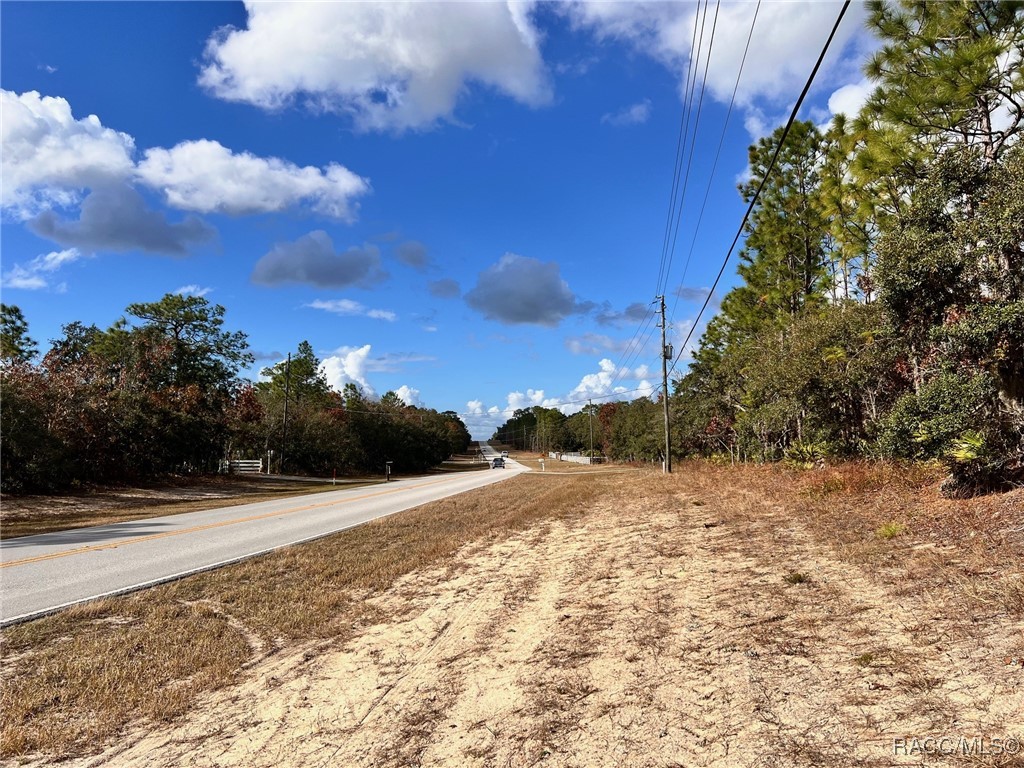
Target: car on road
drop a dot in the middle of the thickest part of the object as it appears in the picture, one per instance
(504, 454)
(497, 463)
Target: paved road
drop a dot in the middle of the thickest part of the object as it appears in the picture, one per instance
(40, 574)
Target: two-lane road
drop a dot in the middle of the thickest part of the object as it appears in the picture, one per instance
(40, 574)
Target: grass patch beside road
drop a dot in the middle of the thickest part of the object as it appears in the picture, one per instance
(71, 681)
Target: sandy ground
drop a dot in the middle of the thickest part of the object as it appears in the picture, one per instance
(650, 633)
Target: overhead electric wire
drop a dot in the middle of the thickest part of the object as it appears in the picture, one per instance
(764, 178)
(680, 142)
(634, 348)
(718, 153)
(746, 216)
(693, 144)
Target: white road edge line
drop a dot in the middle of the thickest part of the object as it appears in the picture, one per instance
(212, 567)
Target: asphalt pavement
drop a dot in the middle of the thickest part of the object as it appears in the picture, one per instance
(45, 573)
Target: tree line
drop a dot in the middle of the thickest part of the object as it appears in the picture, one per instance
(880, 309)
(161, 392)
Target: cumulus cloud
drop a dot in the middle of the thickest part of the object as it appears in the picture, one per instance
(351, 365)
(787, 39)
(522, 290)
(115, 218)
(347, 366)
(35, 275)
(389, 65)
(413, 254)
(207, 177)
(528, 399)
(194, 290)
(444, 289)
(349, 307)
(632, 115)
(409, 396)
(49, 157)
(850, 98)
(611, 383)
(312, 260)
(607, 384)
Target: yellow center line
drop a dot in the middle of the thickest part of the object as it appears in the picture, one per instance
(208, 526)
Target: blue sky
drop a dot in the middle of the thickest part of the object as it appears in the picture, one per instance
(462, 202)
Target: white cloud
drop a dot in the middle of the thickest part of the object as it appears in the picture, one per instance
(482, 421)
(607, 384)
(348, 366)
(528, 399)
(33, 276)
(349, 307)
(612, 383)
(787, 39)
(207, 177)
(193, 290)
(633, 115)
(850, 98)
(391, 65)
(23, 278)
(351, 365)
(49, 157)
(409, 396)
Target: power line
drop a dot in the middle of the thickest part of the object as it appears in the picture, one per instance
(684, 121)
(764, 178)
(718, 153)
(677, 197)
(634, 347)
(693, 144)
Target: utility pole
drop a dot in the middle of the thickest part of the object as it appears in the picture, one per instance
(287, 386)
(590, 409)
(666, 353)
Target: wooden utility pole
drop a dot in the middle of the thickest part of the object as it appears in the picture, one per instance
(591, 410)
(666, 353)
(287, 387)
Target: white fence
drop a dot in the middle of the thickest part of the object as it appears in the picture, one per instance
(242, 466)
(576, 457)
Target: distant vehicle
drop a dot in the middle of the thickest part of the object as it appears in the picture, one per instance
(504, 454)
(497, 463)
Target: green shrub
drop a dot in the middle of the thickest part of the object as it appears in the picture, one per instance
(977, 462)
(923, 425)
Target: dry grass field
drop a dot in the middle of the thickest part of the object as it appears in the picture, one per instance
(747, 616)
